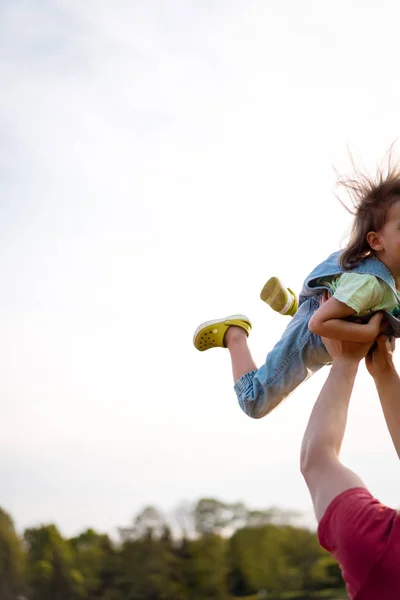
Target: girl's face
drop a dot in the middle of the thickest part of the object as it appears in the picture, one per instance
(386, 242)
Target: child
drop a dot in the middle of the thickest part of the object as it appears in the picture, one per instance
(362, 280)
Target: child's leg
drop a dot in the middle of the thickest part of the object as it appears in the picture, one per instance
(230, 333)
(242, 361)
(296, 356)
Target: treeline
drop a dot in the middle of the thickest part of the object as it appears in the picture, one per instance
(209, 551)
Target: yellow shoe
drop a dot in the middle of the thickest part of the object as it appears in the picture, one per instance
(211, 334)
(280, 298)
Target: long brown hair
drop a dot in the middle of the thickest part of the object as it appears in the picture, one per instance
(371, 199)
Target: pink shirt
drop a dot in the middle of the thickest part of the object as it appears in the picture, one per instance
(364, 537)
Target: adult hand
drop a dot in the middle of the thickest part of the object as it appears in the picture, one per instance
(380, 360)
(374, 325)
(350, 351)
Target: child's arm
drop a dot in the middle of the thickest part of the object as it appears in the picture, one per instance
(328, 322)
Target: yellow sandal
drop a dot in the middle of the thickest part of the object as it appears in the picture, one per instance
(211, 334)
(279, 297)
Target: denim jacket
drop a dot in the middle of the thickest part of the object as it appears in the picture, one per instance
(369, 266)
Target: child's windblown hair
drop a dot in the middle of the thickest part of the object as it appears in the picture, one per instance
(371, 199)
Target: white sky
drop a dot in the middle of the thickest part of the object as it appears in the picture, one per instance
(158, 162)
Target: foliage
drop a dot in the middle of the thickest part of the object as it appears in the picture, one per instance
(218, 551)
(12, 559)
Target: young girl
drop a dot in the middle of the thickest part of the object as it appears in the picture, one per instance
(362, 280)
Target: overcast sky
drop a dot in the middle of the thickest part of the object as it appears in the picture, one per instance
(159, 161)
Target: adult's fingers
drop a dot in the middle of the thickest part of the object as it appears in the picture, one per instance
(325, 296)
(385, 344)
(376, 318)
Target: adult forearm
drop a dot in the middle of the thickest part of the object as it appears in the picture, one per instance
(388, 387)
(328, 419)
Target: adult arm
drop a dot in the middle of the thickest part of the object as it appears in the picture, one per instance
(325, 475)
(380, 365)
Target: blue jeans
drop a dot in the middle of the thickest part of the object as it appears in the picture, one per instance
(298, 355)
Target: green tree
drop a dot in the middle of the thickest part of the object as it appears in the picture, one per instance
(12, 559)
(97, 561)
(303, 551)
(207, 568)
(151, 569)
(258, 562)
(235, 552)
(51, 571)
